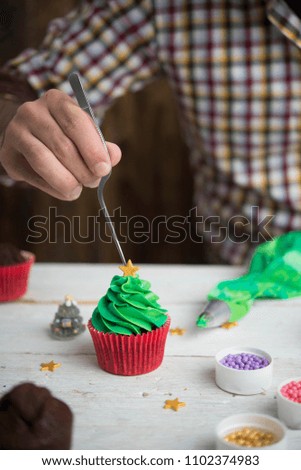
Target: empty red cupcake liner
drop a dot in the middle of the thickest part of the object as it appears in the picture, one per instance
(130, 355)
(14, 278)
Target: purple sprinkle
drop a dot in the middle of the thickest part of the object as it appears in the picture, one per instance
(244, 361)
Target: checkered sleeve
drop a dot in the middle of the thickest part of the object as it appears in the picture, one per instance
(111, 43)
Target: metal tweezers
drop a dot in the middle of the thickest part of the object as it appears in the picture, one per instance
(75, 82)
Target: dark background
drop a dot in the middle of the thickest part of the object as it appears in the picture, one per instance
(153, 178)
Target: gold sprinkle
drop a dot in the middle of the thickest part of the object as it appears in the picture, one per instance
(177, 331)
(250, 437)
(129, 269)
(228, 325)
(49, 366)
(174, 404)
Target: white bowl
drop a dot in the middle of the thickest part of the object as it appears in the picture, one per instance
(288, 411)
(243, 382)
(260, 421)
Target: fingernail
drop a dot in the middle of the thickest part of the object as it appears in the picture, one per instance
(102, 168)
(76, 192)
(93, 184)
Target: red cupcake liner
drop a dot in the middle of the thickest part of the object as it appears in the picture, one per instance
(14, 278)
(130, 355)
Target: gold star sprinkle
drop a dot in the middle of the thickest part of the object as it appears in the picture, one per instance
(128, 269)
(177, 331)
(174, 404)
(229, 325)
(50, 366)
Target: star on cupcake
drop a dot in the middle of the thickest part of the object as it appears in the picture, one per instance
(129, 269)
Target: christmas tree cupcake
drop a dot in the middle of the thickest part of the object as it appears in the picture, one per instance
(128, 326)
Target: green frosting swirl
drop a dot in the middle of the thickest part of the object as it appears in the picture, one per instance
(129, 307)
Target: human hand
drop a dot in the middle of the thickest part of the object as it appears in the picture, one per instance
(53, 145)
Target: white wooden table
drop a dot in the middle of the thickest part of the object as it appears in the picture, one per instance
(113, 412)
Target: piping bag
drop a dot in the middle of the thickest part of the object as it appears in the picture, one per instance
(274, 273)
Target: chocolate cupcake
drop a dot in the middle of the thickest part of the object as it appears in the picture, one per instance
(9, 255)
(32, 419)
(14, 271)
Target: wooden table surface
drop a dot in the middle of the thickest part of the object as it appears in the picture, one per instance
(112, 412)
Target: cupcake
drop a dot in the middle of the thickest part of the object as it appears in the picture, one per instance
(14, 271)
(128, 326)
(32, 419)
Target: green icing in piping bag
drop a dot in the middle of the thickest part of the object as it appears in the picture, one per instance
(274, 273)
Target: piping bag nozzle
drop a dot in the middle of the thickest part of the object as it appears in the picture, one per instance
(215, 314)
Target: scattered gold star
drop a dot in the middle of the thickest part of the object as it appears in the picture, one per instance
(174, 404)
(177, 331)
(128, 269)
(50, 366)
(229, 325)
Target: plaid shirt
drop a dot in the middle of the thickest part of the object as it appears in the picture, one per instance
(235, 69)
